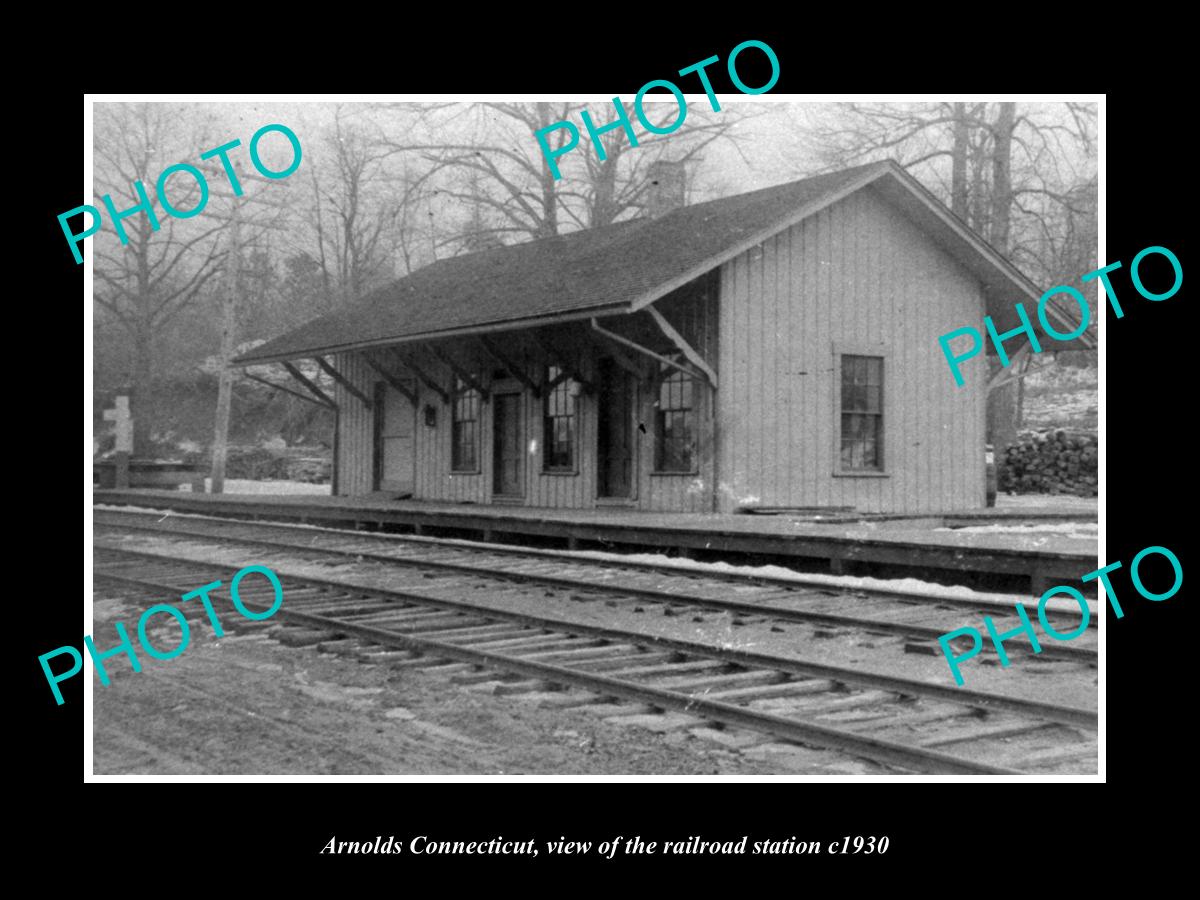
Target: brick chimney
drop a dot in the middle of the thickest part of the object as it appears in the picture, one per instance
(666, 186)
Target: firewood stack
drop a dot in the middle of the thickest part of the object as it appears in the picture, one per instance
(1050, 462)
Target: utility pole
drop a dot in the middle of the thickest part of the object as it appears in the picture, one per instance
(228, 326)
(233, 268)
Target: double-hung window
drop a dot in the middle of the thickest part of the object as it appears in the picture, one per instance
(558, 423)
(862, 414)
(675, 431)
(464, 428)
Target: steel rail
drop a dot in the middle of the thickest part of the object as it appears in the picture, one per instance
(799, 581)
(810, 733)
(1063, 651)
(1065, 715)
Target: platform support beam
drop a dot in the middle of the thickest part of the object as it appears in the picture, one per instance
(516, 371)
(645, 351)
(343, 381)
(310, 385)
(392, 380)
(685, 348)
(287, 390)
(568, 367)
(424, 377)
(460, 371)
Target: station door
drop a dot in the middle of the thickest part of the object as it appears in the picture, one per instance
(395, 428)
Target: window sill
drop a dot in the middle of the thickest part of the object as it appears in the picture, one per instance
(466, 472)
(864, 474)
(570, 473)
(692, 473)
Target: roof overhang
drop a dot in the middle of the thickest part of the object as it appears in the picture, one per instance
(1005, 283)
(464, 331)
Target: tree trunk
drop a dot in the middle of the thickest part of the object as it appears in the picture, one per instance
(1002, 418)
(1019, 417)
(603, 210)
(141, 401)
(549, 223)
(1002, 175)
(958, 172)
(978, 194)
(1004, 403)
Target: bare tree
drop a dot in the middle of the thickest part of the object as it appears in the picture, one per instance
(363, 216)
(350, 214)
(145, 283)
(1017, 176)
(500, 176)
(997, 154)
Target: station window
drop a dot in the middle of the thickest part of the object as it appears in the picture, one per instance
(676, 425)
(558, 423)
(862, 413)
(464, 429)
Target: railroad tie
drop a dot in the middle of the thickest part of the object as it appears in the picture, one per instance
(779, 689)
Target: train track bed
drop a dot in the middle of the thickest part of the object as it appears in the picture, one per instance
(987, 561)
(392, 613)
(252, 705)
(569, 568)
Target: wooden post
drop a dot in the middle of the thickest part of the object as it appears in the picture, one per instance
(225, 382)
(120, 414)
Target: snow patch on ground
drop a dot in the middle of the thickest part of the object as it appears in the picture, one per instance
(1084, 531)
(244, 486)
(915, 586)
(844, 582)
(1051, 502)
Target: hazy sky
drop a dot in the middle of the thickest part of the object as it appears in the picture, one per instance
(770, 151)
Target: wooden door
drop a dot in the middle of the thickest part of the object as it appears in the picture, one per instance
(508, 459)
(395, 428)
(615, 432)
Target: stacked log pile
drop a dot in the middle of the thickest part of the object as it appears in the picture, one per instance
(1050, 462)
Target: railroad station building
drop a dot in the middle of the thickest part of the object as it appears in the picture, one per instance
(773, 349)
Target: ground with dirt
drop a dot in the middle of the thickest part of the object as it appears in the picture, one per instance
(287, 704)
(249, 705)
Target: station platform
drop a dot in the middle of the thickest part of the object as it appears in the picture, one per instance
(923, 548)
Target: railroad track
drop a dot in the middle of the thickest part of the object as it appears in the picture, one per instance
(802, 701)
(918, 618)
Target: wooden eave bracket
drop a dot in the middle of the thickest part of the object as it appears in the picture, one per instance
(517, 372)
(1020, 362)
(565, 364)
(665, 360)
(424, 377)
(1025, 372)
(613, 349)
(321, 396)
(688, 351)
(343, 381)
(287, 390)
(392, 380)
(460, 371)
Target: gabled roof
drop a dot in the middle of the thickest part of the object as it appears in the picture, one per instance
(623, 267)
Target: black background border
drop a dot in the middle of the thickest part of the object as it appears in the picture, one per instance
(979, 827)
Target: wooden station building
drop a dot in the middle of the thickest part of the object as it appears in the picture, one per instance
(773, 349)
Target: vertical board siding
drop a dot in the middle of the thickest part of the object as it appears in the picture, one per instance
(694, 312)
(356, 427)
(561, 490)
(857, 273)
(435, 480)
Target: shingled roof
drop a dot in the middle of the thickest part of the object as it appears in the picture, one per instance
(618, 268)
